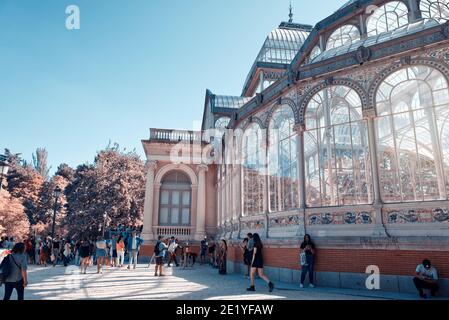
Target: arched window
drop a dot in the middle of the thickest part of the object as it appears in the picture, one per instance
(253, 170)
(282, 161)
(316, 51)
(388, 17)
(343, 36)
(412, 135)
(175, 200)
(336, 149)
(222, 122)
(435, 9)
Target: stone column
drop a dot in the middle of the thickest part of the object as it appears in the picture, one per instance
(147, 232)
(157, 191)
(380, 229)
(201, 204)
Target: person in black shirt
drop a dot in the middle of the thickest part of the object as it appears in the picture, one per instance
(307, 260)
(84, 250)
(257, 264)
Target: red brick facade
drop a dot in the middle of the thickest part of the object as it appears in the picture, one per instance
(390, 262)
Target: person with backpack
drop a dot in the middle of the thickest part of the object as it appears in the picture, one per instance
(159, 252)
(14, 272)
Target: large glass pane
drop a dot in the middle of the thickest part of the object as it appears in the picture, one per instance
(186, 198)
(163, 216)
(174, 217)
(435, 9)
(165, 195)
(336, 150)
(282, 160)
(185, 216)
(343, 36)
(409, 143)
(390, 16)
(175, 198)
(253, 170)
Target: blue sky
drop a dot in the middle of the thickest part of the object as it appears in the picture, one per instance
(134, 64)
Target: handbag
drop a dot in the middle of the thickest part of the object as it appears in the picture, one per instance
(303, 259)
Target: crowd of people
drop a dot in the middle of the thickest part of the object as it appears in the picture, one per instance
(86, 252)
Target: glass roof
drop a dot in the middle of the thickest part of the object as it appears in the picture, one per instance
(370, 41)
(282, 45)
(231, 102)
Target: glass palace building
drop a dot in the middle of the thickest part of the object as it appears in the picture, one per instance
(341, 131)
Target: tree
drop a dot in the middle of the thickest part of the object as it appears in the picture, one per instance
(40, 163)
(13, 220)
(114, 185)
(25, 184)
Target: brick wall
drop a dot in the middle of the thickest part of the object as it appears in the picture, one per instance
(391, 262)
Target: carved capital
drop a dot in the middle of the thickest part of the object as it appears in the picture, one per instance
(202, 168)
(299, 127)
(369, 113)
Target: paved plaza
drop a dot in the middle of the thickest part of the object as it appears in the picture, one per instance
(199, 283)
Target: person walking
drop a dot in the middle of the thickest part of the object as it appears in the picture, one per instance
(247, 256)
(100, 253)
(222, 254)
(37, 248)
(211, 249)
(134, 243)
(203, 250)
(43, 253)
(257, 264)
(67, 253)
(84, 255)
(159, 251)
(172, 253)
(114, 251)
(17, 277)
(307, 260)
(56, 243)
(120, 247)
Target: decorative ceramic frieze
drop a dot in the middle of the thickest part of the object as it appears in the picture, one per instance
(339, 218)
(253, 224)
(424, 215)
(285, 221)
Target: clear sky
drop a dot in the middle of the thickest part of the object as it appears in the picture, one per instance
(134, 64)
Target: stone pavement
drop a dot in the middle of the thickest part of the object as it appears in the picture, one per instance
(199, 283)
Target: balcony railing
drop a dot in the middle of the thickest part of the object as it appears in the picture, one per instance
(174, 231)
(174, 136)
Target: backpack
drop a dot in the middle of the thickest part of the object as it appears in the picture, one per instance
(157, 248)
(5, 269)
